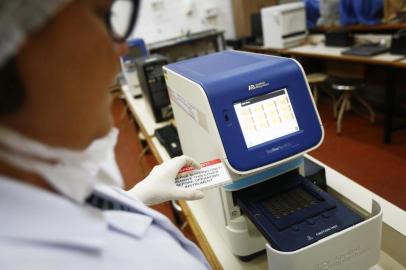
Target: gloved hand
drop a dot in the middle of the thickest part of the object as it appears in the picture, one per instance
(159, 186)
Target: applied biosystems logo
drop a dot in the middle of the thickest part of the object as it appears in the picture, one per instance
(252, 87)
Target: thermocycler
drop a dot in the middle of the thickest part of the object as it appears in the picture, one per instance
(256, 113)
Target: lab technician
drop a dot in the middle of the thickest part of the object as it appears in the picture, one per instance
(61, 202)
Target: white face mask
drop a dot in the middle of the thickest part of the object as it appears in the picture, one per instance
(72, 173)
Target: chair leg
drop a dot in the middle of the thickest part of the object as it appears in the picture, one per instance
(345, 100)
(348, 107)
(367, 106)
(333, 98)
(337, 105)
(331, 94)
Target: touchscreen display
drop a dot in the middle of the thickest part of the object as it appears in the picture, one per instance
(266, 117)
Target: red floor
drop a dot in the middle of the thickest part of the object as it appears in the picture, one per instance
(360, 154)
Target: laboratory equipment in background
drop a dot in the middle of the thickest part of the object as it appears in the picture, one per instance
(153, 86)
(189, 45)
(136, 49)
(256, 113)
(284, 26)
(339, 38)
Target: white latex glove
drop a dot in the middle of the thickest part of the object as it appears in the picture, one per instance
(159, 186)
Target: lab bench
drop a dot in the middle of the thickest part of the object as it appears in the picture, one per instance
(393, 255)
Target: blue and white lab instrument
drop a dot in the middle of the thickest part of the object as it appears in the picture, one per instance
(257, 114)
(136, 49)
(251, 99)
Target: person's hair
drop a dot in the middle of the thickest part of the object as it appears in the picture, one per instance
(11, 88)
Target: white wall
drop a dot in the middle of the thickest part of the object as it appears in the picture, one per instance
(163, 19)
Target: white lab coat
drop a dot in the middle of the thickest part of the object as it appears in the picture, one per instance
(42, 230)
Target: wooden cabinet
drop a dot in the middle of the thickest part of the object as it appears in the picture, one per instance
(392, 7)
(242, 10)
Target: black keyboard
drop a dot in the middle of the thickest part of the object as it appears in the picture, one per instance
(366, 50)
(169, 138)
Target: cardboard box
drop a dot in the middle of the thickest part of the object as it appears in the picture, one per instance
(242, 10)
(392, 7)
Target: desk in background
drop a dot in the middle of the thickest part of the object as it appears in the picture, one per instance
(214, 247)
(362, 28)
(391, 62)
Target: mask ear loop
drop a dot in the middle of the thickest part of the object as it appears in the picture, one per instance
(74, 180)
(73, 183)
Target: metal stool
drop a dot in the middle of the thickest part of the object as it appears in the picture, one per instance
(348, 89)
(314, 80)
